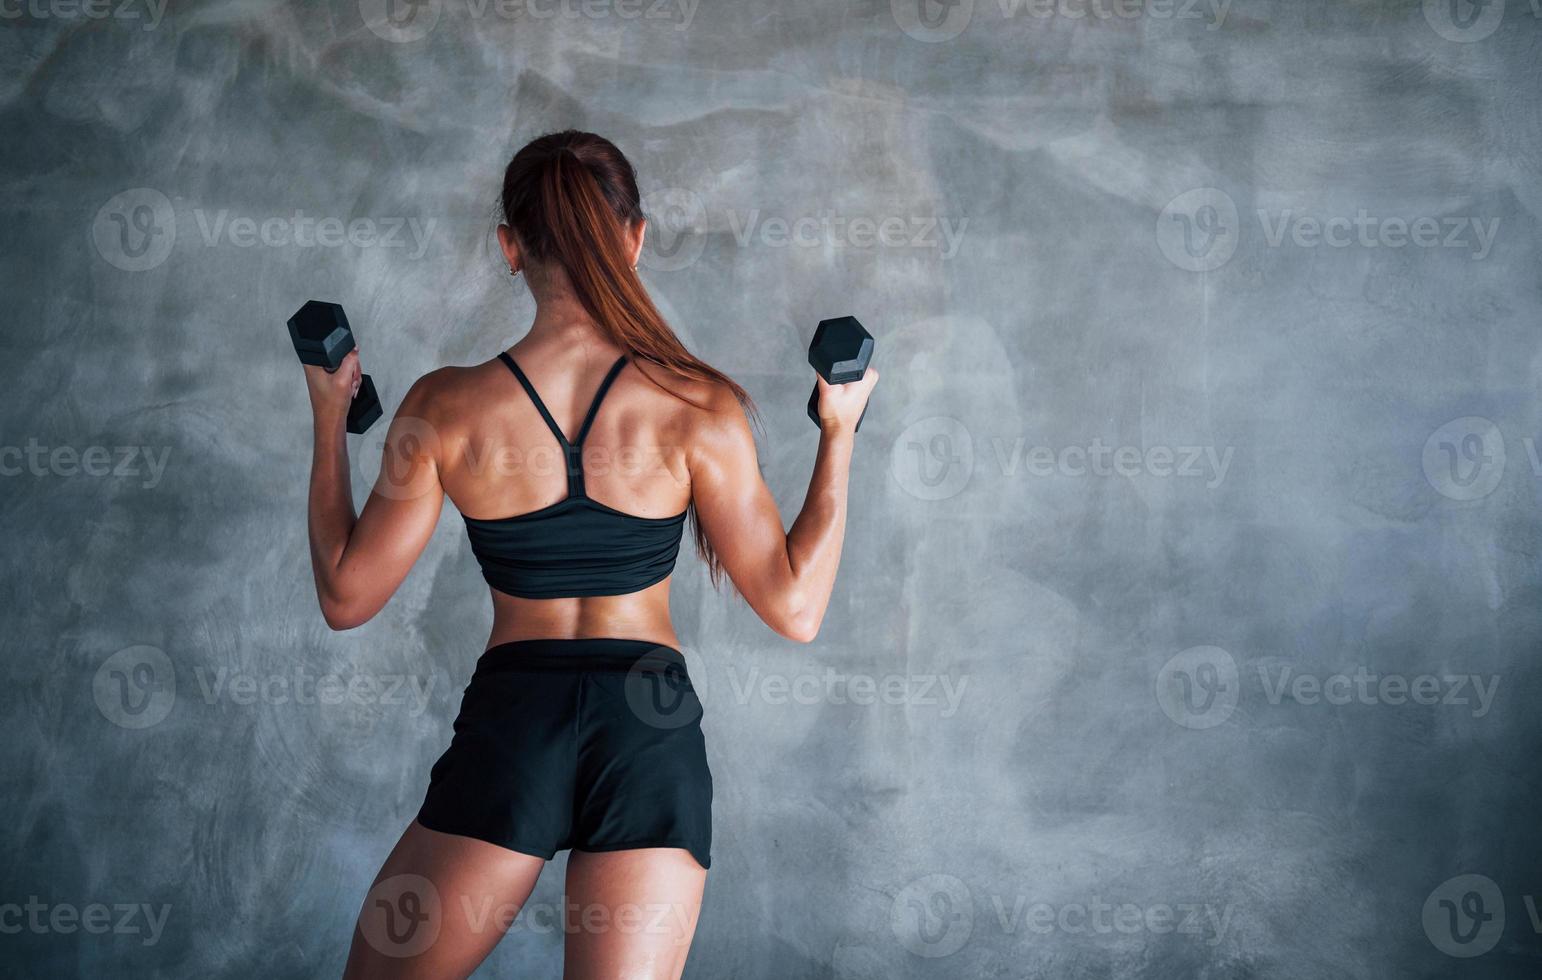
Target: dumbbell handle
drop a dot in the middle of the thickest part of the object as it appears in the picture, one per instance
(365, 406)
(813, 405)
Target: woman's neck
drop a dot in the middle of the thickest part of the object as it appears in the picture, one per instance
(562, 322)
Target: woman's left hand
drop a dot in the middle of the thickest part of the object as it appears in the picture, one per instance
(332, 393)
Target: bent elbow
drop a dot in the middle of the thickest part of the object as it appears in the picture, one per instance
(341, 616)
(801, 632)
(339, 621)
(800, 625)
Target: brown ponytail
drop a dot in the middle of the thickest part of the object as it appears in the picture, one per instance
(570, 197)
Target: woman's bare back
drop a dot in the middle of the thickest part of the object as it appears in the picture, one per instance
(498, 459)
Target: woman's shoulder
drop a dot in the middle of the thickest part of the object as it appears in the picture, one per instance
(697, 401)
(701, 416)
(448, 392)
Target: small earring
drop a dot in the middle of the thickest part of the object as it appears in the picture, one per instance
(514, 272)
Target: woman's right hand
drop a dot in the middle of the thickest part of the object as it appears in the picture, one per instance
(332, 393)
(841, 406)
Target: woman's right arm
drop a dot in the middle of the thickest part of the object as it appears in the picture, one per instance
(785, 576)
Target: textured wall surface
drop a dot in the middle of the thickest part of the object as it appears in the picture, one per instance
(1190, 613)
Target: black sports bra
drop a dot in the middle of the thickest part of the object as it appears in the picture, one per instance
(576, 546)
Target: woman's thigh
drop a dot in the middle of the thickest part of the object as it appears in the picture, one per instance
(439, 906)
(631, 913)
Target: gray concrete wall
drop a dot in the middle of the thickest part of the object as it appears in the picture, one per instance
(1189, 616)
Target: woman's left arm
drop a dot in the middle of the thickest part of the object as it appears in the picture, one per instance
(360, 561)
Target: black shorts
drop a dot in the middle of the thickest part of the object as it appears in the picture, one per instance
(594, 745)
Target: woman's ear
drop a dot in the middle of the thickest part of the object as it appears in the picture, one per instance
(509, 243)
(635, 240)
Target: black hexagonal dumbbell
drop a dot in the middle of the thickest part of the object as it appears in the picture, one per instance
(321, 337)
(839, 352)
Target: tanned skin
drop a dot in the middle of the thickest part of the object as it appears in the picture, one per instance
(472, 434)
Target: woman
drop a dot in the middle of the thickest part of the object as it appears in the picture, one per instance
(553, 750)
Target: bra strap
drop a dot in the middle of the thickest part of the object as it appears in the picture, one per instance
(599, 396)
(535, 399)
(572, 452)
